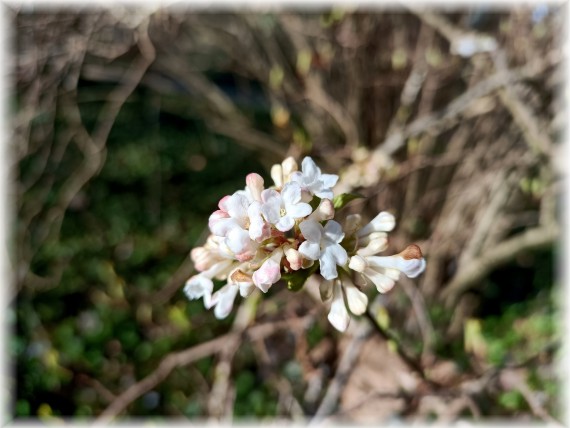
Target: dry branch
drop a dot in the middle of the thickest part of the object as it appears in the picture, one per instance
(188, 356)
(479, 268)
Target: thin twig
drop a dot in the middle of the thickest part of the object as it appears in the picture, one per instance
(345, 367)
(479, 268)
(220, 392)
(188, 356)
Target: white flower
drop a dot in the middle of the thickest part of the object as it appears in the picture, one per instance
(281, 173)
(232, 214)
(323, 244)
(223, 300)
(201, 285)
(269, 272)
(384, 271)
(373, 244)
(281, 209)
(338, 315)
(383, 222)
(313, 181)
(211, 253)
(355, 299)
(232, 222)
(325, 211)
(240, 244)
(259, 229)
(243, 280)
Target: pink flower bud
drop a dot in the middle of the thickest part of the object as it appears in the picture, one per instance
(325, 211)
(215, 217)
(222, 205)
(254, 183)
(294, 258)
(202, 258)
(269, 272)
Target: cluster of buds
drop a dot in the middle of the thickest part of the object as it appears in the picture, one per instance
(286, 232)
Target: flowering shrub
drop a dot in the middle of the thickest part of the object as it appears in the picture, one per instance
(286, 232)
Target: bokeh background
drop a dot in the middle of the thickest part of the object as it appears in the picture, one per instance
(129, 124)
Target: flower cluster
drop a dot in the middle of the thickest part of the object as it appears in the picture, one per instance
(286, 232)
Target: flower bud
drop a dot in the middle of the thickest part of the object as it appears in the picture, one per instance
(378, 242)
(222, 204)
(357, 263)
(356, 300)
(254, 182)
(325, 211)
(277, 175)
(269, 272)
(338, 315)
(294, 258)
(352, 224)
(414, 263)
(203, 259)
(288, 166)
(383, 222)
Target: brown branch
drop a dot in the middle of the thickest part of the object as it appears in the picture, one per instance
(345, 367)
(188, 356)
(479, 268)
(220, 392)
(439, 120)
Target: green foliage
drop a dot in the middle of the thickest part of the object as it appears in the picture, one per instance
(340, 201)
(512, 400)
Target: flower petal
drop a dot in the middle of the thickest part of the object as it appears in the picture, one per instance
(383, 222)
(224, 298)
(198, 286)
(291, 193)
(285, 223)
(357, 301)
(382, 282)
(411, 267)
(337, 253)
(329, 180)
(267, 275)
(338, 315)
(271, 207)
(238, 240)
(310, 250)
(322, 193)
(328, 265)
(311, 230)
(246, 289)
(333, 231)
(298, 210)
(237, 206)
(310, 169)
(259, 230)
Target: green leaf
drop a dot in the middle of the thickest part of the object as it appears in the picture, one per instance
(341, 200)
(296, 280)
(315, 202)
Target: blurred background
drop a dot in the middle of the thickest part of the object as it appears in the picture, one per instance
(129, 124)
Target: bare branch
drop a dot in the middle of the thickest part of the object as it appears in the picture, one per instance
(479, 268)
(188, 356)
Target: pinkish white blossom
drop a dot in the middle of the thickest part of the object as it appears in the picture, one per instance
(322, 244)
(258, 235)
(313, 181)
(283, 208)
